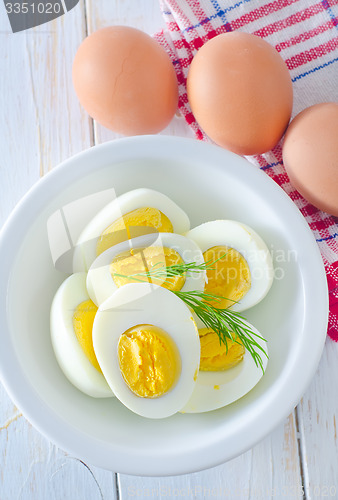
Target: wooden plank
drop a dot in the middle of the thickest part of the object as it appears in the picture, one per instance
(269, 470)
(143, 14)
(44, 124)
(33, 468)
(318, 417)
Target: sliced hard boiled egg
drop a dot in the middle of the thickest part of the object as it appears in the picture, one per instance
(71, 320)
(137, 212)
(216, 355)
(149, 253)
(147, 345)
(217, 388)
(241, 269)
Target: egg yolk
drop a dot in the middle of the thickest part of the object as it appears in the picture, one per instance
(83, 319)
(216, 356)
(229, 277)
(144, 260)
(136, 223)
(149, 361)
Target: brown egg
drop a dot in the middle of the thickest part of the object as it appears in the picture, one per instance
(126, 81)
(240, 92)
(310, 155)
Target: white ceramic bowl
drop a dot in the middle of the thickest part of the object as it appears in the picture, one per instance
(208, 183)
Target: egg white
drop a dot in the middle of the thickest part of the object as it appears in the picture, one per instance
(249, 244)
(214, 390)
(144, 303)
(100, 284)
(85, 251)
(69, 354)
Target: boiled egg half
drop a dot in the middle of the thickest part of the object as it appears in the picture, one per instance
(132, 214)
(240, 270)
(147, 345)
(129, 262)
(71, 322)
(226, 373)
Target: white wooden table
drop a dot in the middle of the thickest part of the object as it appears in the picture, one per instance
(42, 124)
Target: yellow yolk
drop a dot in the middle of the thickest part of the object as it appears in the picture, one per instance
(83, 319)
(229, 277)
(149, 361)
(143, 260)
(216, 356)
(136, 223)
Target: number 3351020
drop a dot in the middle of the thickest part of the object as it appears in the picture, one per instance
(33, 8)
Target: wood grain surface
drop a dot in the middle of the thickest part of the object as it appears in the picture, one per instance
(42, 124)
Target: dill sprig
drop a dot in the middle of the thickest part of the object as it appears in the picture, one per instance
(227, 324)
(160, 270)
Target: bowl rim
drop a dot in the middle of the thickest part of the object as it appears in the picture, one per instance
(46, 421)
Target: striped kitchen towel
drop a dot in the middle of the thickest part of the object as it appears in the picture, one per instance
(305, 33)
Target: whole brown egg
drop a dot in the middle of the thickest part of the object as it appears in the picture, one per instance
(125, 80)
(310, 155)
(240, 92)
